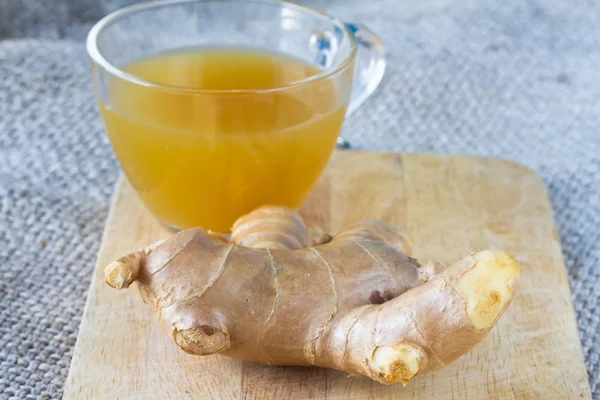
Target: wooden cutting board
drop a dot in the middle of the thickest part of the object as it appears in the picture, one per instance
(450, 205)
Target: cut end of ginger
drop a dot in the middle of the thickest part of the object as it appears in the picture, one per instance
(488, 286)
(399, 363)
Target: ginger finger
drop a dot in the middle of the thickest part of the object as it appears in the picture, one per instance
(124, 271)
(272, 227)
(196, 328)
(378, 231)
(433, 324)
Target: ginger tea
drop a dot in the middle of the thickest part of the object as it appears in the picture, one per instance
(251, 136)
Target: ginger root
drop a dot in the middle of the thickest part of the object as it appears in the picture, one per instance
(278, 293)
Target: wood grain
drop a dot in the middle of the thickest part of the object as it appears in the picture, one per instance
(451, 206)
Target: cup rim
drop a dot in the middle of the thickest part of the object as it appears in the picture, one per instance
(97, 57)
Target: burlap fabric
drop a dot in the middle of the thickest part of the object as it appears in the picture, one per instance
(512, 79)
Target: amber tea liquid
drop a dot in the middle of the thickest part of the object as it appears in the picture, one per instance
(205, 158)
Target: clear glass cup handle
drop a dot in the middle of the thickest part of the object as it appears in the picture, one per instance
(370, 65)
(368, 71)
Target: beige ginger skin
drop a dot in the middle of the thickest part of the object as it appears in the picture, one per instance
(279, 293)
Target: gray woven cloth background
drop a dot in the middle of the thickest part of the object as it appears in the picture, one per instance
(512, 79)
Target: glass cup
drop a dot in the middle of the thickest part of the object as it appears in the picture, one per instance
(201, 156)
